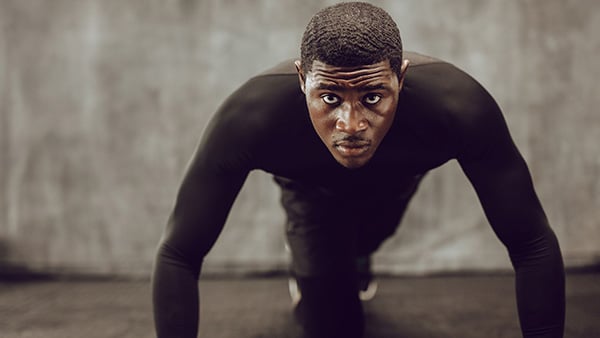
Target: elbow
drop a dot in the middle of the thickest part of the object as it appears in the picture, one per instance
(538, 250)
(170, 255)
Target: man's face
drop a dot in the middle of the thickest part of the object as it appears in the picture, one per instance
(352, 108)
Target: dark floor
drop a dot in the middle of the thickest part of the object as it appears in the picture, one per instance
(482, 306)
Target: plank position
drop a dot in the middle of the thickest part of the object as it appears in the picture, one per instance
(348, 132)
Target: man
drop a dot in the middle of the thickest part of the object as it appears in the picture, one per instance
(348, 133)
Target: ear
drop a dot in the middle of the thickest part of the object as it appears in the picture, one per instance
(403, 69)
(301, 77)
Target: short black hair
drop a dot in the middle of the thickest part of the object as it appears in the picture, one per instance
(351, 34)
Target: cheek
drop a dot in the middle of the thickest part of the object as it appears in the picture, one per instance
(383, 123)
(320, 115)
(389, 106)
(319, 119)
(386, 113)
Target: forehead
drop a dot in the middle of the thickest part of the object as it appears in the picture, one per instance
(380, 72)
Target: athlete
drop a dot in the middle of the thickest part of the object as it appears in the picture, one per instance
(348, 132)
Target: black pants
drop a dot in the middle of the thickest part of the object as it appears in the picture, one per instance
(326, 231)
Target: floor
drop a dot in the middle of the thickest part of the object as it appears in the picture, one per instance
(451, 306)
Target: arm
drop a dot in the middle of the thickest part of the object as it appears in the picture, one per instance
(212, 181)
(197, 219)
(506, 193)
(237, 140)
(504, 186)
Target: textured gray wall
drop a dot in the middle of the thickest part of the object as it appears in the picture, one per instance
(102, 103)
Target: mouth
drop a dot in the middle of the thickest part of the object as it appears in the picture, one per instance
(352, 148)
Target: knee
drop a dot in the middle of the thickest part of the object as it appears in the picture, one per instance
(330, 308)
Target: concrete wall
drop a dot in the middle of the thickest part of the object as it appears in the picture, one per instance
(102, 103)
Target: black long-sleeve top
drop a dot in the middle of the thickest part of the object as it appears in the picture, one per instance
(443, 114)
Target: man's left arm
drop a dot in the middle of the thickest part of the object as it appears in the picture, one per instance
(505, 189)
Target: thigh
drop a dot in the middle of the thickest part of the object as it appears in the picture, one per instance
(326, 231)
(321, 238)
(322, 242)
(322, 247)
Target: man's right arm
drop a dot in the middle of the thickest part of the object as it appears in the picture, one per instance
(193, 228)
(239, 135)
(212, 181)
(203, 202)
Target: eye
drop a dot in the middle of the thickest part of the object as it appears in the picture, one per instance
(372, 98)
(330, 99)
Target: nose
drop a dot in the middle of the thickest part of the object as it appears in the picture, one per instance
(351, 120)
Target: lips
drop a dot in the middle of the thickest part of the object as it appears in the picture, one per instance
(352, 148)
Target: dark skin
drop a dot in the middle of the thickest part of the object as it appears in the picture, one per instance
(352, 108)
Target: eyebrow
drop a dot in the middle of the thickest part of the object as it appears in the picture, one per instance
(378, 86)
(365, 88)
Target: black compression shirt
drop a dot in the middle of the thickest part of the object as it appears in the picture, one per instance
(442, 114)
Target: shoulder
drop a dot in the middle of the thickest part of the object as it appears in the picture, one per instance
(262, 99)
(453, 101)
(442, 82)
(253, 115)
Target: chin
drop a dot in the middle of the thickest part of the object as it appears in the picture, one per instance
(353, 163)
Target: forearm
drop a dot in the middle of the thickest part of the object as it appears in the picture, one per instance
(540, 287)
(175, 298)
